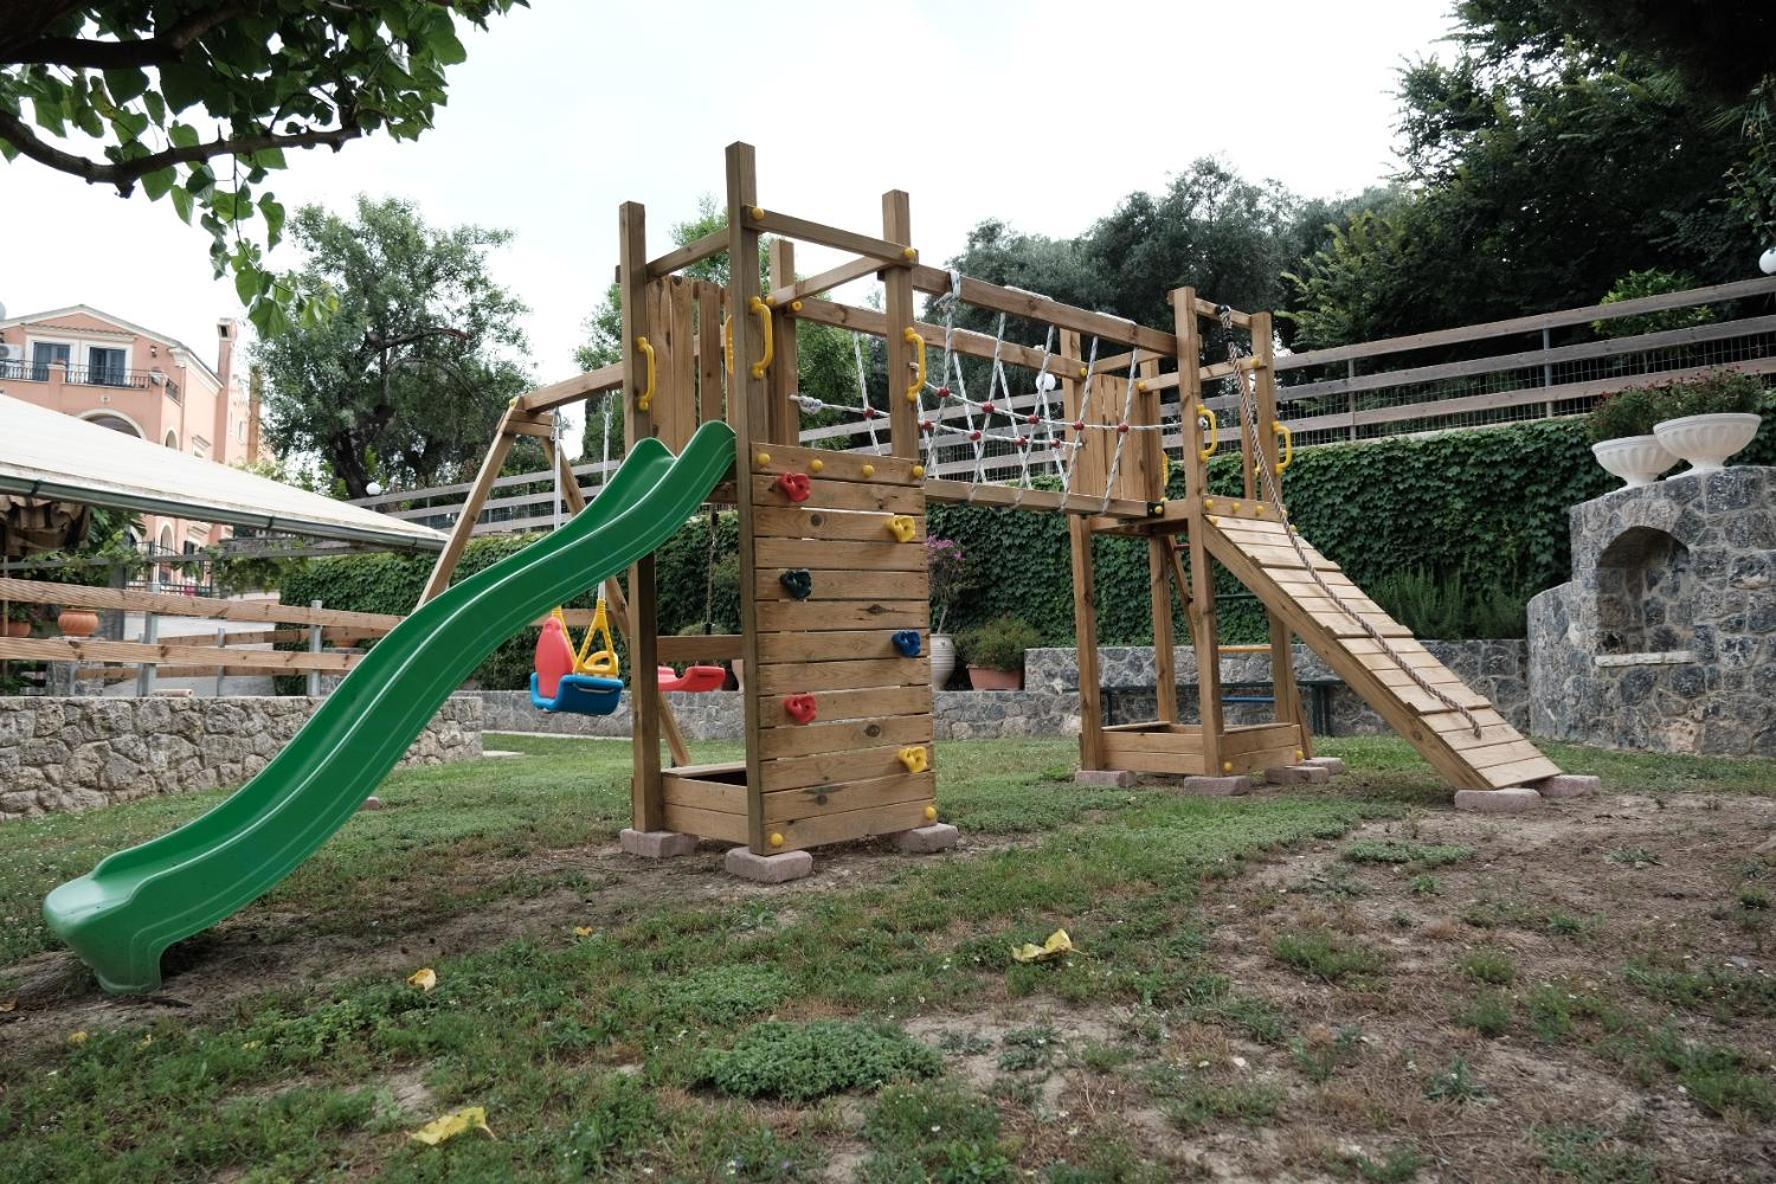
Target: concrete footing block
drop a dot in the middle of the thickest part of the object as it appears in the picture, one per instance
(1298, 775)
(768, 869)
(371, 803)
(923, 840)
(1105, 778)
(656, 844)
(1569, 785)
(1497, 801)
(1218, 787)
(1331, 764)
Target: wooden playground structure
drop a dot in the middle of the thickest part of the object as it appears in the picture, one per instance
(834, 606)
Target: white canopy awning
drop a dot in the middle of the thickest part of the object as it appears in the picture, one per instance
(47, 454)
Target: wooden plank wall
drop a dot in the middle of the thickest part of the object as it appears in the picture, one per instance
(840, 777)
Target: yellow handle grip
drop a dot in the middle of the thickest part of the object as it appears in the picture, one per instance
(763, 312)
(728, 342)
(918, 383)
(646, 398)
(1214, 432)
(1282, 429)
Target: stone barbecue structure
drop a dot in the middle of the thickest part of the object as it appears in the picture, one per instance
(1665, 638)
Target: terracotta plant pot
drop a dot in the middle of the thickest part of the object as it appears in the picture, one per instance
(18, 628)
(1637, 460)
(985, 678)
(78, 622)
(1706, 441)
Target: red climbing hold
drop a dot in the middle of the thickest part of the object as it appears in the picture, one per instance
(1122, 428)
(988, 408)
(975, 435)
(925, 425)
(795, 486)
(1032, 420)
(1079, 425)
(943, 392)
(800, 708)
(870, 413)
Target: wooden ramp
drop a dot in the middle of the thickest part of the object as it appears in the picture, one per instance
(1258, 551)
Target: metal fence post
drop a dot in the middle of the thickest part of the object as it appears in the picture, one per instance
(314, 647)
(150, 634)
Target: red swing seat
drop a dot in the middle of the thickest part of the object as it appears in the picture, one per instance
(695, 678)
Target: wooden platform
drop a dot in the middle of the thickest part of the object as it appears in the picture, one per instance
(1178, 748)
(1260, 554)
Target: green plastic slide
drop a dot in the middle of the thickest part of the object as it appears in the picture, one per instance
(123, 914)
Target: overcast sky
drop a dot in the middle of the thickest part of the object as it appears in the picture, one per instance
(1041, 113)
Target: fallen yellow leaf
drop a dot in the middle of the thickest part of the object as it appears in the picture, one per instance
(77, 1038)
(146, 1040)
(457, 1122)
(582, 931)
(1058, 943)
(424, 979)
(8, 1005)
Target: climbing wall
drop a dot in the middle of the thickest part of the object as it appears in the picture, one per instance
(1246, 539)
(856, 545)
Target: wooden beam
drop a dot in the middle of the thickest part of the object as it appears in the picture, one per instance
(1203, 624)
(92, 649)
(169, 604)
(891, 254)
(1085, 611)
(748, 415)
(832, 277)
(573, 390)
(445, 565)
(1282, 653)
(903, 412)
(713, 243)
(1040, 308)
(784, 377)
(1007, 497)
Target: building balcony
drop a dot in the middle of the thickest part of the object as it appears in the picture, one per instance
(109, 376)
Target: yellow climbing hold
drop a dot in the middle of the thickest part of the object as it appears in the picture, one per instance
(457, 1122)
(914, 758)
(903, 528)
(1058, 945)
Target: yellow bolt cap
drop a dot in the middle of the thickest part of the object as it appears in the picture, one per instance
(796, 305)
(908, 253)
(1227, 766)
(869, 470)
(758, 213)
(763, 458)
(816, 465)
(1208, 504)
(918, 470)
(1083, 372)
(1299, 754)
(776, 839)
(930, 813)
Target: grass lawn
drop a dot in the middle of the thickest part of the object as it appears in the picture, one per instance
(1345, 982)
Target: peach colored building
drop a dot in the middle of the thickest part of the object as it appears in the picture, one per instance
(114, 373)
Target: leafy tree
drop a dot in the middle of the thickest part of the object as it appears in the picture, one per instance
(1541, 167)
(197, 101)
(405, 384)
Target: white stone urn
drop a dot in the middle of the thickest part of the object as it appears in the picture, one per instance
(1637, 460)
(943, 659)
(1706, 441)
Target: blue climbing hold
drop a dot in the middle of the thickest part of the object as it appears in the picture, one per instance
(798, 582)
(907, 642)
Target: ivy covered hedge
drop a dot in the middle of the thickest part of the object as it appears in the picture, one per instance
(1484, 507)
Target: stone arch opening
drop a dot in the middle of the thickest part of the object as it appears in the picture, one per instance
(1645, 588)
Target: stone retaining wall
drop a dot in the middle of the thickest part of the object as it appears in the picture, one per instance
(75, 753)
(1050, 704)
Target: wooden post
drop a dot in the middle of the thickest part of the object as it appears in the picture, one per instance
(897, 283)
(647, 799)
(1203, 625)
(749, 415)
(1282, 656)
(1085, 593)
(784, 377)
(445, 565)
(1151, 457)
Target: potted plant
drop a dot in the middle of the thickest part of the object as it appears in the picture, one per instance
(18, 620)
(1708, 419)
(78, 622)
(949, 572)
(1621, 431)
(995, 653)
